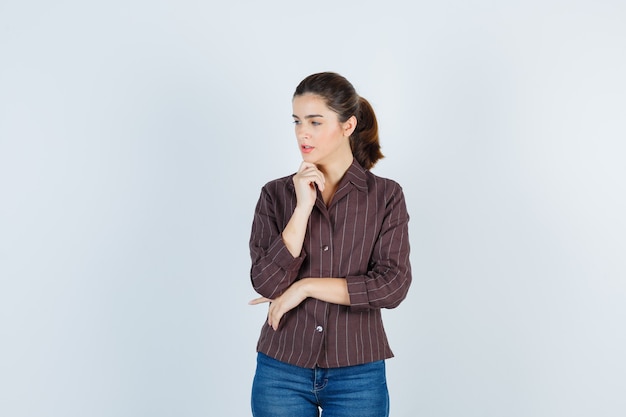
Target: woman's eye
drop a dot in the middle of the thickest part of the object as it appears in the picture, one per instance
(296, 122)
(314, 123)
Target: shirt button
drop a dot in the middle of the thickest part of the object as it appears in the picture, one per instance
(319, 329)
(325, 248)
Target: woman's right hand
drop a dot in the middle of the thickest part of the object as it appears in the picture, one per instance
(304, 182)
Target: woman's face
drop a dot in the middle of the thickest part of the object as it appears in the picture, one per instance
(322, 139)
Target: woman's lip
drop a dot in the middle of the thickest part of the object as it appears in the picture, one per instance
(306, 148)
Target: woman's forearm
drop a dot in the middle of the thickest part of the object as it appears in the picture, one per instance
(331, 290)
(294, 232)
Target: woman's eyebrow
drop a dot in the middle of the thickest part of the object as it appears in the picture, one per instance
(310, 116)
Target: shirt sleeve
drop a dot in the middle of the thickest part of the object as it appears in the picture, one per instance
(388, 279)
(273, 268)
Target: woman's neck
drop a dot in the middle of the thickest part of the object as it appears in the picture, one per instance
(333, 173)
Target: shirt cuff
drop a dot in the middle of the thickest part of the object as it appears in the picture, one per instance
(283, 258)
(357, 290)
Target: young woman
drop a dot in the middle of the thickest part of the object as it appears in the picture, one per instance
(330, 249)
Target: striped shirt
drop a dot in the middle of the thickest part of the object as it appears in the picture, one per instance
(361, 236)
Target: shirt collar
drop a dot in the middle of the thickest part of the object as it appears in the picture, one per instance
(356, 175)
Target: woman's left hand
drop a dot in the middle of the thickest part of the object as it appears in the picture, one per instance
(287, 301)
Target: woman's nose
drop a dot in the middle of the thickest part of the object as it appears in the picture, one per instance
(301, 132)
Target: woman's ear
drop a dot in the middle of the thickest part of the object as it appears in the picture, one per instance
(349, 126)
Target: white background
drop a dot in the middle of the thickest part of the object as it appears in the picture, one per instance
(135, 137)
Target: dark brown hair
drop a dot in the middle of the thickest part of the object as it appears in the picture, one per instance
(341, 97)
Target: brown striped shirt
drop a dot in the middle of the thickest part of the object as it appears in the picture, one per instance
(361, 236)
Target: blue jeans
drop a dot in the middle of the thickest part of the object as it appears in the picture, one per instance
(283, 390)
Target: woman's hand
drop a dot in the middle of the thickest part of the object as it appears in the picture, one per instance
(289, 300)
(304, 181)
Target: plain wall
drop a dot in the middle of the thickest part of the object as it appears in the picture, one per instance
(135, 137)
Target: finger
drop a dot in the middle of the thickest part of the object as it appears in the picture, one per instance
(321, 183)
(273, 316)
(259, 300)
(274, 323)
(314, 176)
(314, 170)
(306, 165)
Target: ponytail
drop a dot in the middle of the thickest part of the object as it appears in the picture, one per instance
(364, 139)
